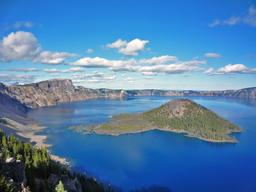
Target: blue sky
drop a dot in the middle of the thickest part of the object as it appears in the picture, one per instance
(130, 44)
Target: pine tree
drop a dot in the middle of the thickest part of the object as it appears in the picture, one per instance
(4, 185)
(60, 187)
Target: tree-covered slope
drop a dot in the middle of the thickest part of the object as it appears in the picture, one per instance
(24, 167)
(181, 115)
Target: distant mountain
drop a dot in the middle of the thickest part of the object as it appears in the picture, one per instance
(180, 115)
(55, 91)
(247, 93)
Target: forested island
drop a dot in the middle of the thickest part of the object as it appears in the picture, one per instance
(180, 115)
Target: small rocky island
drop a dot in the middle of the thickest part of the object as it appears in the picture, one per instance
(180, 115)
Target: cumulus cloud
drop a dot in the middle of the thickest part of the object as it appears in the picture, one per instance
(235, 68)
(20, 45)
(129, 48)
(231, 69)
(48, 57)
(119, 43)
(248, 19)
(149, 66)
(176, 68)
(102, 62)
(159, 60)
(212, 55)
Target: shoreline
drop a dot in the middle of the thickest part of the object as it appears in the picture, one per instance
(185, 133)
(29, 131)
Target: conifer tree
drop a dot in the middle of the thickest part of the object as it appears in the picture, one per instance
(60, 187)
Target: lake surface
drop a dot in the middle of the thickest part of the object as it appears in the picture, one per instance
(155, 158)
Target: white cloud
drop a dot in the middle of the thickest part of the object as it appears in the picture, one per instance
(89, 51)
(19, 46)
(231, 69)
(234, 68)
(209, 71)
(149, 66)
(248, 19)
(176, 68)
(48, 57)
(22, 45)
(102, 62)
(75, 69)
(129, 48)
(159, 60)
(212, 55)
(231, 21)
(119, 43)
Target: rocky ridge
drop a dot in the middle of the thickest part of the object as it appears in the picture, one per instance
(55, 91)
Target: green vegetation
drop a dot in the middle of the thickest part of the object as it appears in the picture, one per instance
(5, 186)
(32, 169)
(60, 187)
(181, 115)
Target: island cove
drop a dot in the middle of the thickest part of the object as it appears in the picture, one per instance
(179, 115)
(16, 101)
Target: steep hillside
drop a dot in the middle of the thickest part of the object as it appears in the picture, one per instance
(181, 115)
(26, 168)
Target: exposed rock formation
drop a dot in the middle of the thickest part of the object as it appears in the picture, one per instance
(52, 92)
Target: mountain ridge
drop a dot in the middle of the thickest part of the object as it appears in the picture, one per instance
(56, 91)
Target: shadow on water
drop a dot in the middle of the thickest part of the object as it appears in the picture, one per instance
(153, 188)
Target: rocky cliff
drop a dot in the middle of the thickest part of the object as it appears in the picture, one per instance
(52, 92)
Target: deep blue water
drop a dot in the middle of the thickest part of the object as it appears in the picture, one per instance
(155, 158)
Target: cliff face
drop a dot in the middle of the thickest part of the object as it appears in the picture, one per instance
(52, 92)
(9, 106)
